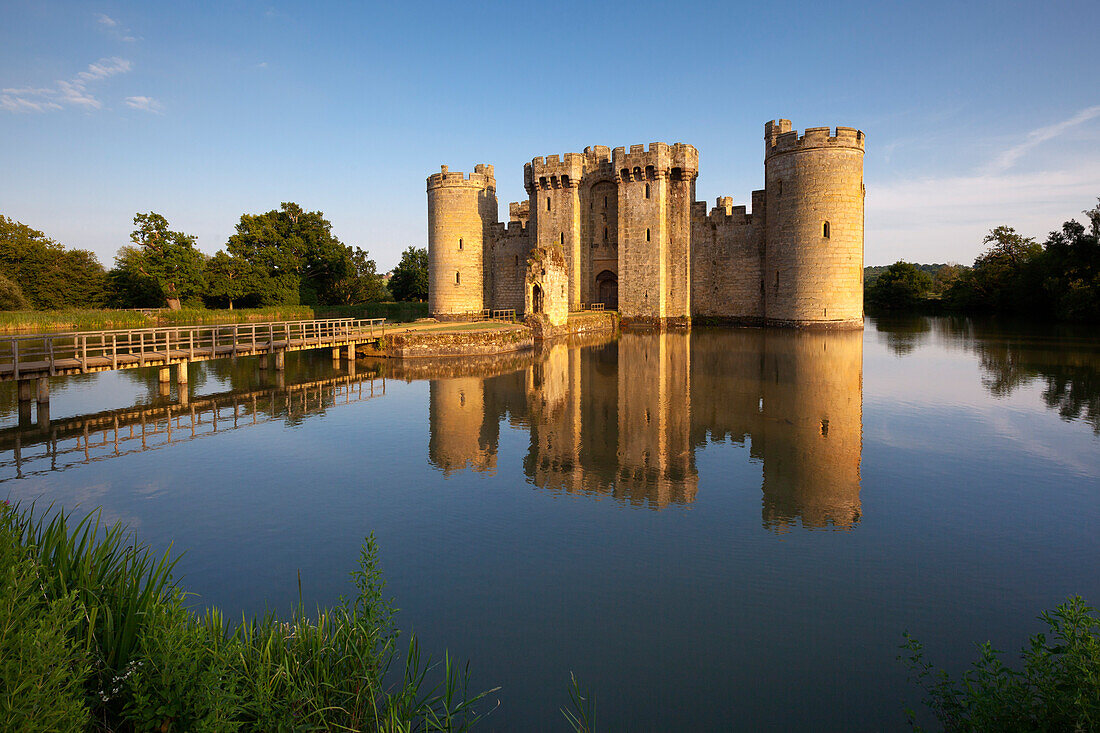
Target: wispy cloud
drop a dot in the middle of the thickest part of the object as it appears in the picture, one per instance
(113, 27)
(1008, 158)
(145, 104)
(73, 92)
(943, 218)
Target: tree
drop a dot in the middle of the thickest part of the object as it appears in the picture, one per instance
(903, 285)
(127, 284)
(1003, 277)
(11, 296)
(410, 277)
(228, 278)
(295, 255)
(1071, 269)
(50, 276)
(169, 259)
(360, 282)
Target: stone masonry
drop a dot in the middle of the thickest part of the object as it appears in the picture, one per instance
(632, 236)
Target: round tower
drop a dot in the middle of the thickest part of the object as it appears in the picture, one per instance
(813, 263)
(461, 212)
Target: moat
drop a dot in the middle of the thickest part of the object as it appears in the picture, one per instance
(714, 526)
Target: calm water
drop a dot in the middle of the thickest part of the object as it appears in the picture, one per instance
(715, 530)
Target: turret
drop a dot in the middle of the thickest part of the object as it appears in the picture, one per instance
(813, 268)
(462, 210)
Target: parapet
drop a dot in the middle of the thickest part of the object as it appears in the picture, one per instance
(519, 210)
(553, 171)
(723, 213)
(482, 177)
(661, 159)
(779, 138)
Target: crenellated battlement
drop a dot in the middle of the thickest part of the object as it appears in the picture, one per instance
(554, 171)
(779, 138)
(519, 211)
(501, 230)
(482, 177)
(660, 160)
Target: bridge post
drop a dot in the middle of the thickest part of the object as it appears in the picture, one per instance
(26, 391)
(280, 359)
(42, 391)
(44, 416)
(181, 372)
(24, 413)
(351, 352)
(265, 360)
(165, 376)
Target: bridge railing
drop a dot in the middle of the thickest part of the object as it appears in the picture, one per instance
(82, 350)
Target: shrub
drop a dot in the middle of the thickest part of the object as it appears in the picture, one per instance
(42, 668)
(1058, 688)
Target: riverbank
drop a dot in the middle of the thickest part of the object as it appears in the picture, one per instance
(483, 338)
(103, 319)
(97, 637)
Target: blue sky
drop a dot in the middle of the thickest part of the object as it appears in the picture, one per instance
(976, 114)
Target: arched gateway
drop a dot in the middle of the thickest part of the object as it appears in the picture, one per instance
(607, 289)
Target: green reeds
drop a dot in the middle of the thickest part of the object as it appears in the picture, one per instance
(146, 662)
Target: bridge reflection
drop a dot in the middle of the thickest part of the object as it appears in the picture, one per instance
(60, 444)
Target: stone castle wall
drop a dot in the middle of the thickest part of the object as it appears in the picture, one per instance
(634, 238)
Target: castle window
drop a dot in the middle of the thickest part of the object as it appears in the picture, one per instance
(548, 203)
(647, 190)
(779, 188)
(605, 202)
(825, 230)
(458, 279)
(562, 237)
(777, 279)
(605, 234)
(647, 235)
(517, 260)
(460, 244)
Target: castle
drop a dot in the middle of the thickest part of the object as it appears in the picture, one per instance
(623, 228)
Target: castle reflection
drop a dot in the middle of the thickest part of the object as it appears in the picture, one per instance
(624, 418)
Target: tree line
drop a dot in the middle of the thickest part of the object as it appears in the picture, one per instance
(287, 256)
(1058, 278)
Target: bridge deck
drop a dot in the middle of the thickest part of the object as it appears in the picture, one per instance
(28, 357)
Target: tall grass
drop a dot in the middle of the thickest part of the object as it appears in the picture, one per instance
(91, 320)
(145, 662)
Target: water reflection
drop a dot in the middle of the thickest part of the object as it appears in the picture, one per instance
(624, 418)
(1065, 359)
(162, 421)
(608, 418)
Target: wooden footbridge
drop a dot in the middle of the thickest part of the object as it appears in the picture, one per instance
(32, 360)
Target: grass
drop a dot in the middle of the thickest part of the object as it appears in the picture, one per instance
(102, 319)
(95, 635)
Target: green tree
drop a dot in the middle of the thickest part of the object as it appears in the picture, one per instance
(296, 257)
(902, 286)
(169, 259)
(360, 282)
(11, 296)
(1071, 269)
(50, 276)
(1005, 277)
(128, 285)
(228, 279)
(410, 277)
